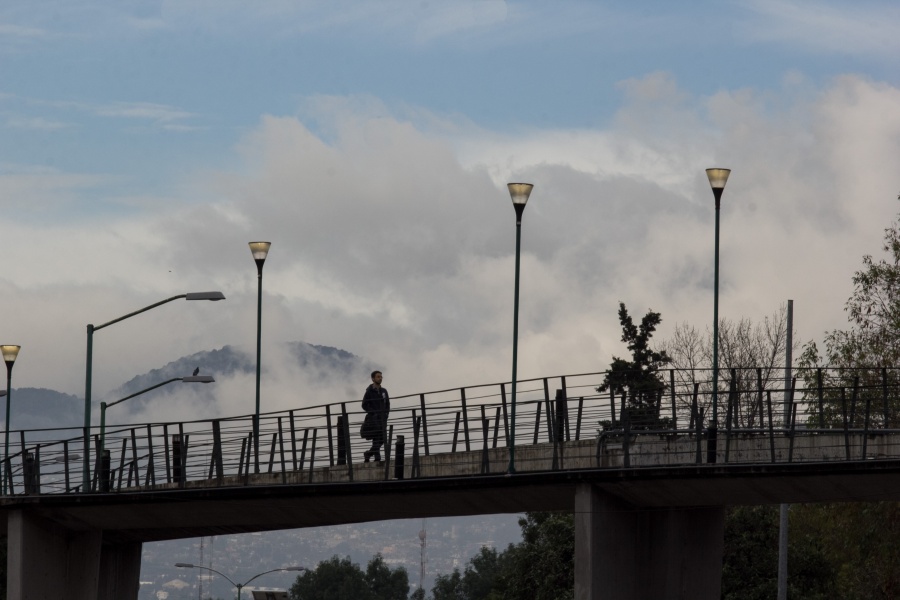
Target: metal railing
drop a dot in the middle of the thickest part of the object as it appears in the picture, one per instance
(563, 422)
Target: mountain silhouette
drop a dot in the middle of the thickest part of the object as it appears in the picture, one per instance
(41, 408)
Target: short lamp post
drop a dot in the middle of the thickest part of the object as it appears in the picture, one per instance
(717, 179)
(104, 405)
(213, 296)
(239, 586)
(259, 250)
(10, 353)
(519, 192)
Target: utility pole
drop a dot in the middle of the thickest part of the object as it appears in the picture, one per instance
(784, 508)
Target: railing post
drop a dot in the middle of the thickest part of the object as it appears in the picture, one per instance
(672, 392)
(399, 458)
(217, 451)
(578, 418)
(424, 424)
(505, 417)
(771, 425)
(416, 467)
(293, 441)
(303, 449)
(28, 472)
(312, 454)
(697, 422)
(349, 446)
(537, 423)
(103, 471)
(485, 428)
(821, 398)
(465, 417)
(151, 458)
(341, 443)
(387, 451)
(177, 460)
(330, 437)
(845, 423)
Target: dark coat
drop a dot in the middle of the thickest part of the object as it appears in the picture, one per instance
(377, 404)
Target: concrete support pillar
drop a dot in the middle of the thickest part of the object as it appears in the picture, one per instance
(46, 561)
(624, 552)
(120, 571)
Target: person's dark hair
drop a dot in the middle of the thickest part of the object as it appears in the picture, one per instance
(374, 373)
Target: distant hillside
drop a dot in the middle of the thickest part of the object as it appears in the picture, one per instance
(319, 362)
(41, 408)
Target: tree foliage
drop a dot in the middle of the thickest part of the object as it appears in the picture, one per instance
(858, 538)
(540, 567)
(340, 579)
(864, 356)
(750, 564)
(638, 380)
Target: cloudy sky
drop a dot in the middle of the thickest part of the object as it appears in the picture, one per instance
(143, 143)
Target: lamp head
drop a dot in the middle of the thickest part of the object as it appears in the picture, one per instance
(184, 565)
(198, 379)
(519, 192)
(213, 296)
(717, 179)
(10, 353)
(259, 250)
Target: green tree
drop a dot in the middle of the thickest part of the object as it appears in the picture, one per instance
(540, 567)
(861, 363)
(638, 380)
(340, 579)
(750, 562)
(859, 543)
(387, 583)
(864, 356)
(448, 587)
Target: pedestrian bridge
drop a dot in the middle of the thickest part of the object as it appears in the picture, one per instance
(648, 476)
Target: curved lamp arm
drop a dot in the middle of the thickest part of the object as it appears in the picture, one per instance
(191, 566)
(274, 570)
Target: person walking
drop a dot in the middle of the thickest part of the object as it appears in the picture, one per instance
(377, 404)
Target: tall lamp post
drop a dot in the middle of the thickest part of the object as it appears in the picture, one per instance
(717, 179)
(519, 192)
(10, 353)
(239, 586)
(86, 474)
(259, 250)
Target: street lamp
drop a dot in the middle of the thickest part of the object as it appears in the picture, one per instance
(9, 357)
(239, 586)
(717, 179)
(519, 192)
(104, 405)
(259, 250)
(212, 296)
